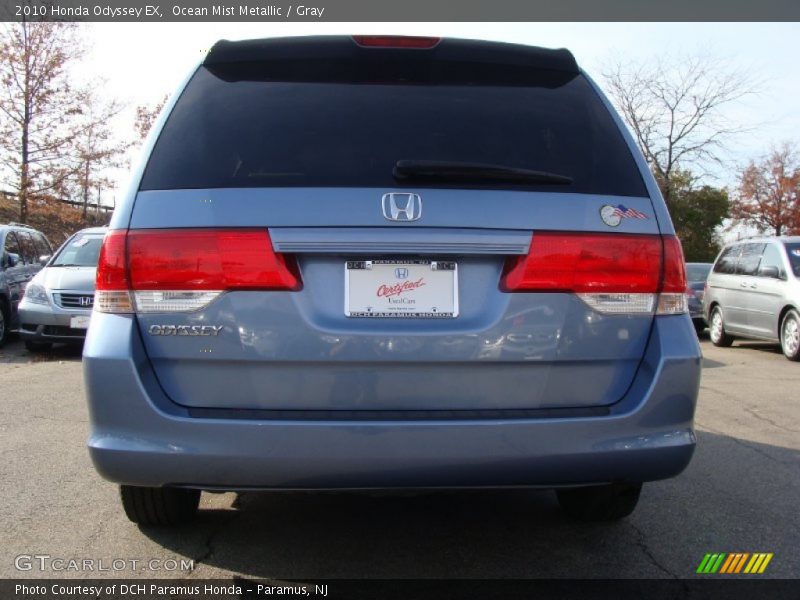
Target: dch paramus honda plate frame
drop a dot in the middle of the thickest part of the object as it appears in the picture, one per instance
(411, 289)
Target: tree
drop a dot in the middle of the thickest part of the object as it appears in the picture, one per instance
(146, 116)
(674, 108)
(696, 213)
(768, 197)
(37, 104)
(94, 148)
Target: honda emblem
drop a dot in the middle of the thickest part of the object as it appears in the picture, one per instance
(401, 206)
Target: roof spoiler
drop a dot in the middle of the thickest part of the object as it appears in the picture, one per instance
(348, 48)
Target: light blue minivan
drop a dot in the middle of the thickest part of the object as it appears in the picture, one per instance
(390, 262)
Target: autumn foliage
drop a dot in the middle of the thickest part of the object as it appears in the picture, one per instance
(768, 197)
(37, 107)
(56, 136)
(146, 116)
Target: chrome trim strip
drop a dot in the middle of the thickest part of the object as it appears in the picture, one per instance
(401, 240)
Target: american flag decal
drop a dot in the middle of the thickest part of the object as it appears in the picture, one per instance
(628, 213)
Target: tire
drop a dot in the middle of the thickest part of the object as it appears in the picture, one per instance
(790, 335)
(4, 322)
(161, 507)
(699, 327)
(716, 329)
(37, 346)
(610, 502)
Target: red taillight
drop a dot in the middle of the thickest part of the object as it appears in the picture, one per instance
(177, 270)
(112, 271)
(395, 41)
(587, 263)
(612, 272)
(207, 259)
(674, 267)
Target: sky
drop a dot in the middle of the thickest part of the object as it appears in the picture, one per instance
(141, 62)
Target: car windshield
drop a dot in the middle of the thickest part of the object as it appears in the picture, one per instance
(697, 272)
(793, 250)
(80, 251)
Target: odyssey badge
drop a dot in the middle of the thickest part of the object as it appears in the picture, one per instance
(206, 330)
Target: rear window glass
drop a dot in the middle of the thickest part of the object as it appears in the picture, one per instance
(80, 251)
(232, 129)
(697, 272)
(749, 259)
(29, 254)
(11, 245)
(42, 245)
(726, 263)
(793, 250)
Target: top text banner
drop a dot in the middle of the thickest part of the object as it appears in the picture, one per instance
(407, 10)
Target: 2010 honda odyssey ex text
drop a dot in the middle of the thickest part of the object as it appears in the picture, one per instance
(390, 262)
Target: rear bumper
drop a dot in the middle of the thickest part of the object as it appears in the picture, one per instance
(139, 437)
(696, 309)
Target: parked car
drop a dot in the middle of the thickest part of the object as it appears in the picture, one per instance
(753, 292)
(696, 275)
(297, 294)
(58, 301)
(24, 251)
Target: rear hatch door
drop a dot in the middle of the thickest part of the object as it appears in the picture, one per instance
(309, 154)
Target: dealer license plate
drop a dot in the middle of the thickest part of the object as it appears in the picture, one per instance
(81, 322)
(414, 289)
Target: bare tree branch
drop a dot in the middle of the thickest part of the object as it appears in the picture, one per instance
(674, 108)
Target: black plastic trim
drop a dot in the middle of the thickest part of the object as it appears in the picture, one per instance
(397, 415)
(344, 47)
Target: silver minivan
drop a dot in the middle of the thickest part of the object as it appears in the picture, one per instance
(753, 291)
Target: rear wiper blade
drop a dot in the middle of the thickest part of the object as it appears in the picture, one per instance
(474, 172)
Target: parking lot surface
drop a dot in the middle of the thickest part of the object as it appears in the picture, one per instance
(739, 494)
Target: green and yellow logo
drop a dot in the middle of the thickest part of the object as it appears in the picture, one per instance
(735, 562)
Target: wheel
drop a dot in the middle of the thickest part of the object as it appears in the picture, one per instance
(4, 318)
(37, 346)
(610, 502)
(790, 335)
(699, 327)
(716, 329)
(159, 506)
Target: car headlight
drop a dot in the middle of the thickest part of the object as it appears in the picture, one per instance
(36, 293)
